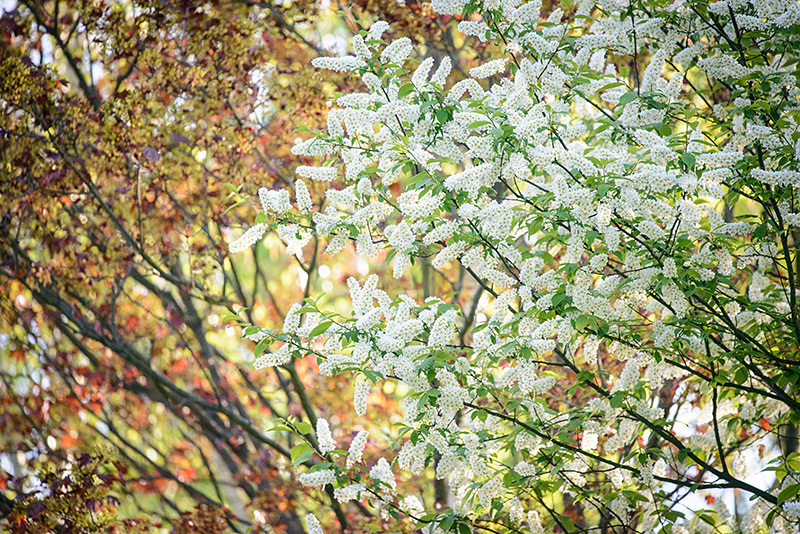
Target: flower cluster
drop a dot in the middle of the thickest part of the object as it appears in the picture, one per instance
(324, 437)
(623, 262)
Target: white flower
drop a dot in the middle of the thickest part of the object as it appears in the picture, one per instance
(248, 239)
(363, 387)
(276, 201)
(397, 52)
(574, 219)
(400, 236)
(792, 509)
(324, 437)
(356, 448)
(320, 477)
(292, 320)
(443, 329)
(382, 472)
(490, 68)
(272, 359)
(320, 174)
(303, 196)
(351, 492)
(474, 28)
(312, 525)
(376, 31)
(344, 63)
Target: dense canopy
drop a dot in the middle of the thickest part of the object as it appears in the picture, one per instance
(473, 266)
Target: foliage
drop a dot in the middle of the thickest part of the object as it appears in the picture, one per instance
(74, 500)
(123, 127)
(613, 211)
(78, 499)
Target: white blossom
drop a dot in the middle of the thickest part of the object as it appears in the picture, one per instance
(600, 240)
(324, 437)
(357, 448)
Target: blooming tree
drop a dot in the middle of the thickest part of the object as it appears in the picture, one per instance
(621, 185)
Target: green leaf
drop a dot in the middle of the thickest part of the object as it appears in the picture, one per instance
(771, 516)
(235, 205)
(608, 86)
(630, 96)
(477, 124)
(320, 328)
(304, 457)
(535, 226)
(447, 523)
(303, 427)
(300, 450)
(689, 159)
(279, 428)
(405, 90)
(793, 461)
(707, 519)
(262, 346)
(635, 496)
(741, 375)
(443, 308)
(581, 321)
(787, 493)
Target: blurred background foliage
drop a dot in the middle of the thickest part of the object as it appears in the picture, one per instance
(133, 137)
